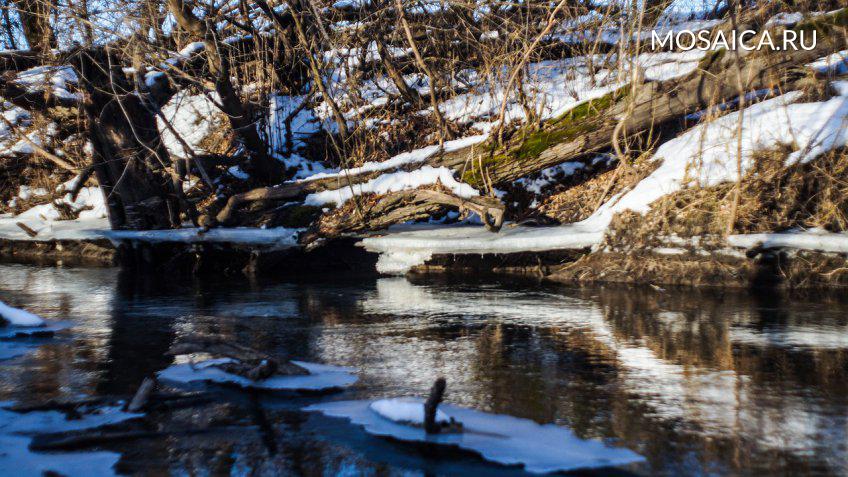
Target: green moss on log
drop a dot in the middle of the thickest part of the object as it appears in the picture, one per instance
(569, 126)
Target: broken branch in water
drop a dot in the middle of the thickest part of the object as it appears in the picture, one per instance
(437, 393)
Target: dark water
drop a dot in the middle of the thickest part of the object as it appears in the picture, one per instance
(698, 382)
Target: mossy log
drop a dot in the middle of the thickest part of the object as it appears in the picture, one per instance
(378, 212)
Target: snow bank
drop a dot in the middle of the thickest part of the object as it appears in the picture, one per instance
(498, 438)
(405, 411)
(705, 155)
(320, 377)
(18, 317)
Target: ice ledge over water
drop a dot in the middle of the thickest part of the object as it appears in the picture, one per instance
(408, 246)
(96, 229)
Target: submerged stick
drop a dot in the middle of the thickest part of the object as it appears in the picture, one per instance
(142, 395)
(437, 393)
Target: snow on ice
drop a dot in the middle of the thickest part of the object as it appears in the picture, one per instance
(506, 440)
(405, 411)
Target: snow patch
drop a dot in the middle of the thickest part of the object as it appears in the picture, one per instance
(394, 182)
(405, 411)
(18, 317)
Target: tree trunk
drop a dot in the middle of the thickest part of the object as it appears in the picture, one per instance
(129, 159)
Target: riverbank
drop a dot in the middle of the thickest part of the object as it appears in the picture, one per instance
(811, 259)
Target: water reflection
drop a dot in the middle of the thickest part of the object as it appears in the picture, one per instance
(699, 382)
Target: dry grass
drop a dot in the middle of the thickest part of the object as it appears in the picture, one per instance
(579, 202)
(772, 198)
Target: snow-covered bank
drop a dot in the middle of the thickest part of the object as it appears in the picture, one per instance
(703, 156)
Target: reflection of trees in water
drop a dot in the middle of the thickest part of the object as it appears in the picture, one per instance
(706, 330)
(687, 378)
(768, 416)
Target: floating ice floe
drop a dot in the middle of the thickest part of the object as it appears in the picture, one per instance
(17, 429)
(506, 440)
(321, 377)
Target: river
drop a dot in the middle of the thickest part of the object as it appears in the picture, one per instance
(699, 382)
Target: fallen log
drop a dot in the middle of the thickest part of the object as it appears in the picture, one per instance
(96, 437)
(378, 212)
(247, 362)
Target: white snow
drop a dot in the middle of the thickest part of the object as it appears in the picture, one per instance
(88, 228)
(405, 411)
(89, 204)
(405, 158)
(407, 246)
(56, 79)
(834, 64)
(192, 48)
(814, 239)
(194, 117)
(18, 317)
(548, 176)
(320, 376)
(506, 440)
(394, 182)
